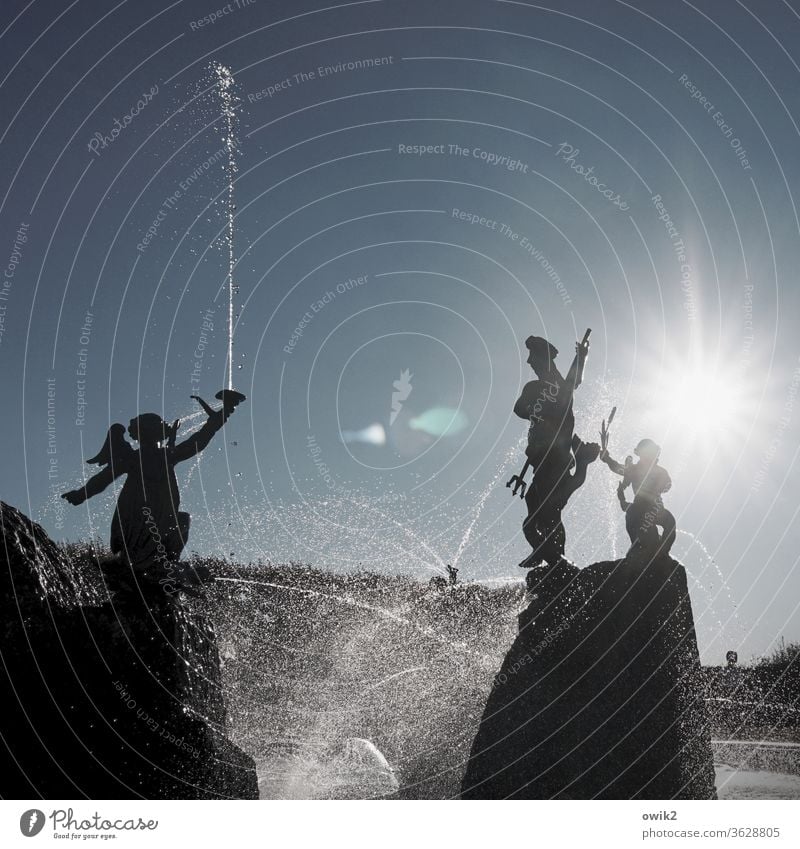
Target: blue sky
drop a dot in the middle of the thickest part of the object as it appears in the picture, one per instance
(420, 186)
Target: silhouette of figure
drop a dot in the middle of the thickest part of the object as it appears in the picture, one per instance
(452, 575)
(558, 457)
(148, 527)
(647, 513)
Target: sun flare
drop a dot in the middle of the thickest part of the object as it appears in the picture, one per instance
(702, 405)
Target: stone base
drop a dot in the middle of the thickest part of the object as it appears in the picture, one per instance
(600, 694)
(113, 700)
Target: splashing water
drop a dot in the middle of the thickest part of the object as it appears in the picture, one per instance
(429, 633)
(712, 597)
(229, 101)
(336, 683)
(366, 505)
(513, 452)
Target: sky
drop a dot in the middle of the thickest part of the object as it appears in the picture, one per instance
(418, 187)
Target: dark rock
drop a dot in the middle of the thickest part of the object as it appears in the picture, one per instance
(599, 695)
(110, 689)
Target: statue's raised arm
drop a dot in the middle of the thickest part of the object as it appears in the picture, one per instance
(575, 373)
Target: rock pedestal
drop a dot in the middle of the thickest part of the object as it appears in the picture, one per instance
(600, 694)
(105, 695)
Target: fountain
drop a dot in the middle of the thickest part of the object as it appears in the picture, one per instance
(229, 102)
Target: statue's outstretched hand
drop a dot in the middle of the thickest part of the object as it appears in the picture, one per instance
(74, 496)
(209, 410)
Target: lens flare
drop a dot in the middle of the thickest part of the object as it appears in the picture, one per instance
(440, 421)
(375, 434)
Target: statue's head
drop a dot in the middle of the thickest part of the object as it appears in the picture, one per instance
(542, 354)
(148, 429)
(648, 451)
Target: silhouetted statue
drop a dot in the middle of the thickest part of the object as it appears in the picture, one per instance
(647, 513)
(148, 528)
(558, 457)
(452, 575)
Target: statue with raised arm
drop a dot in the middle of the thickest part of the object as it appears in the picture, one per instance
(558, 458)
(646, 513)
(148, 528)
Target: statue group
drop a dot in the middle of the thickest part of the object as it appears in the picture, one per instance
(559, 460)
(149, 532)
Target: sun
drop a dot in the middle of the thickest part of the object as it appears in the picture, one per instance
(705, 404)
(699, 404)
